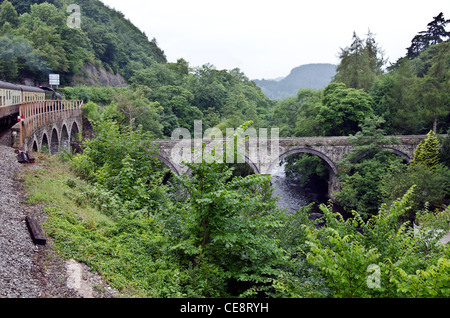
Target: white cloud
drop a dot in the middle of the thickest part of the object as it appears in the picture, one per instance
(266, 39)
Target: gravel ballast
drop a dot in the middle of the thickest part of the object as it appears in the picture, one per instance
(28, 270)
(17, 251)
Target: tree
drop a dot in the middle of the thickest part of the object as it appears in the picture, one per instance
(137, 110)
(435, 34)
(228, 228)
(8, 14)
(176, 101)
(430, 186)
(445, 150)
(343, 110)
(360, 63)
(364, 167)
(434, 87)
(284, 116)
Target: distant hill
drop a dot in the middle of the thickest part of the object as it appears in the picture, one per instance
(314, 76)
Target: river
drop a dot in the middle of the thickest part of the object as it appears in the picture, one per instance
(293, 196)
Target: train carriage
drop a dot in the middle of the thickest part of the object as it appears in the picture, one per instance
(12, 95)
(32, 94)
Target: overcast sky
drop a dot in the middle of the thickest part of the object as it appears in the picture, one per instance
(266, 39)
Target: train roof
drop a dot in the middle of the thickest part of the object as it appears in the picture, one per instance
(6, 85)
(31, 89)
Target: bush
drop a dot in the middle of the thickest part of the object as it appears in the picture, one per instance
(386, 260)
(431, 186)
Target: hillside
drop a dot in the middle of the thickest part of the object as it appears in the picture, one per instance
(315, 76)
(36, 40)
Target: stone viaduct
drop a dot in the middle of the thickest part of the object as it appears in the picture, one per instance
(264, 157)
(47, 125)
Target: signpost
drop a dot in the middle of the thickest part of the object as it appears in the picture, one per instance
(54, 80)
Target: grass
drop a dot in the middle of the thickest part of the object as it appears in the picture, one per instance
(55, 185)
(75, 230)
(127, 252)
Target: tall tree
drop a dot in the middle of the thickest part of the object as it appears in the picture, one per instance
(360, 63)
(435, 34)
(434, 89)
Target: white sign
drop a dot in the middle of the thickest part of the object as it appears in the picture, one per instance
(54, 79)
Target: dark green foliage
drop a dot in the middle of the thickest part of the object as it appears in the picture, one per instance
(296, 116)
(228, 224)
(100, 95)
(123, 162)
(105, 37)
(364, 167)
(8, 14)
(343, 110)
(435, 34)
(445, 150)
(430, 187)
(307, 167)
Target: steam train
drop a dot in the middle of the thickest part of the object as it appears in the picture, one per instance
(13, 94)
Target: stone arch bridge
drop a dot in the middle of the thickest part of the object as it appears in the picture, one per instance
(264, 158)
(47, 125)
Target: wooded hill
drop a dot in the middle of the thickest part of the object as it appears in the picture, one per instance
(313, 76)
(35, 40)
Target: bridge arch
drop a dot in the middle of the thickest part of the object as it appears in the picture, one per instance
(44, 143)
(332, 167)
(74, 131)
(65, 138)
(169, 164)
(35, 145)
(54, 146)
(333, 184)
(399, 153)
(247, 160)
(178, 171)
